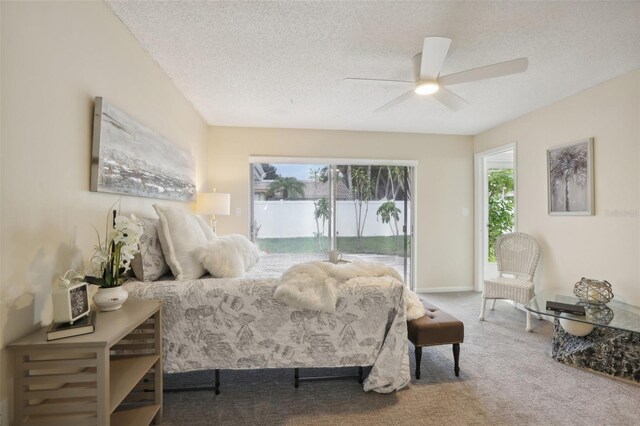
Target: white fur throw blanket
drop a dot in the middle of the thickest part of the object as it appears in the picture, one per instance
(314, 285)
(229, 256)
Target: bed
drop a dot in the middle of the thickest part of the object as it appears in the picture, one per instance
(236, 323)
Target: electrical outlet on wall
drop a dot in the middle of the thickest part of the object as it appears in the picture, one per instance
(4, 412)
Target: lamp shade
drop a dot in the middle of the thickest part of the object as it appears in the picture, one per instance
(215, 203)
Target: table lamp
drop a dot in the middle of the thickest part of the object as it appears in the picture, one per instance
(214, 203)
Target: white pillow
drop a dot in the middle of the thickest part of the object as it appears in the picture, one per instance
(206, 228)
(229, 256)
(181, 234)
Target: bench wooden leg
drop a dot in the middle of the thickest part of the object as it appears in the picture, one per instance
(296, 377)
(217, 382)
(418, 360)
(456, 358)
(360, 375)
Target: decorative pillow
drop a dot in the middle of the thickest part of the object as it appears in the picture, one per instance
(181, 234)
(229, 256)
(149, 263)
(206, 228)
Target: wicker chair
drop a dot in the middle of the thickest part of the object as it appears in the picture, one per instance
(517, 255)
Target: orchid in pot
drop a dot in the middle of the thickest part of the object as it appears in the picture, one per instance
(112, 259)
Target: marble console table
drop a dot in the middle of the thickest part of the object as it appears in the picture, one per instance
(612, 342)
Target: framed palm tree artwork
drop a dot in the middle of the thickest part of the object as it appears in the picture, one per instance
(570, 176)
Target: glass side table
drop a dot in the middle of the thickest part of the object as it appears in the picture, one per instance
(606, 339)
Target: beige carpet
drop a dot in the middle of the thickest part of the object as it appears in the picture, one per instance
(507, 378)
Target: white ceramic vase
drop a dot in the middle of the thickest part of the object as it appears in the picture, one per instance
(576, 328)
(110, 298)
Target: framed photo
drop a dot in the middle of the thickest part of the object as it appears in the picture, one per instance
(129, 158)
(570, 179)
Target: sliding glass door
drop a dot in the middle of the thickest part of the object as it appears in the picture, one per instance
(302, 210)
(291, 208)
(373, 214)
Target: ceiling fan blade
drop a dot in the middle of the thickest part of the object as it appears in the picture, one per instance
(490, 71)
(416, 62)
(450, 99)
(434, 51)
(377, 80)
(395, 101)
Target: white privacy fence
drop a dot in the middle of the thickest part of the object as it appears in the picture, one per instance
(291, 219)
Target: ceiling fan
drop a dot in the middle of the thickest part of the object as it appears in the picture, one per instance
(427, 66)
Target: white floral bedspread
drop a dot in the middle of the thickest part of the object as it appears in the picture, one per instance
(237, 324)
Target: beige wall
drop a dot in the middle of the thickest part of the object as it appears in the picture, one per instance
(607, 245)
(445, 185)
(56, 57)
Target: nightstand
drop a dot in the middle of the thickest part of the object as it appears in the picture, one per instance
(110, 377)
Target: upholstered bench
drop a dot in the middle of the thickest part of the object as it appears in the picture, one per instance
(436, 327)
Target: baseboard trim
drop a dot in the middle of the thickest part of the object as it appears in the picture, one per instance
(443, 289)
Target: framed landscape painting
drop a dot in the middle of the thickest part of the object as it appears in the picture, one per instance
(129, 158)
(570, 178)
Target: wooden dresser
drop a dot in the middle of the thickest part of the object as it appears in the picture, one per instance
(110, 377)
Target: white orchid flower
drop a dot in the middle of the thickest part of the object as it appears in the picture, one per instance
(121, 240)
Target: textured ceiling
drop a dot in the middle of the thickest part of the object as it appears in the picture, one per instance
(281, 64)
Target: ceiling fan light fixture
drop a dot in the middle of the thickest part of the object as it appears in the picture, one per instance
(427, 88)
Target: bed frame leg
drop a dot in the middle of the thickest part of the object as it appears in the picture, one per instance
(360, 375)
(217, 382)
(296, 377)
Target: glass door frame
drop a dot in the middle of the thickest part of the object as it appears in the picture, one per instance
(331, 162)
